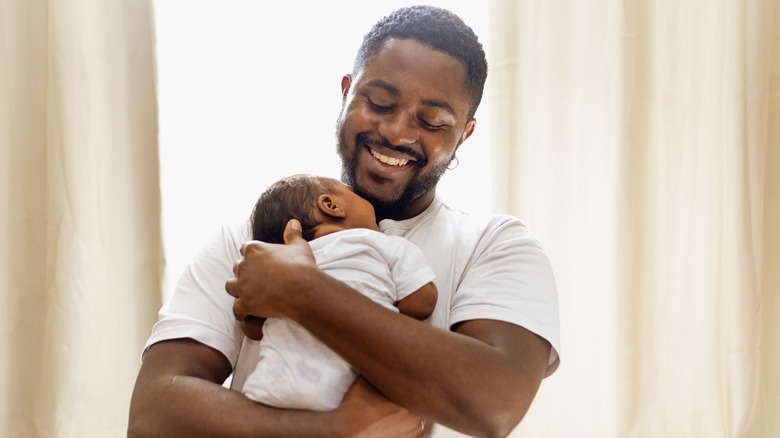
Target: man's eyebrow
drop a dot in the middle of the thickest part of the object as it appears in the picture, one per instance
(439, 104)
(378, 83)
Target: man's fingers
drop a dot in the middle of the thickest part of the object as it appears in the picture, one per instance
(252, 327)
(244, 245)
(231, 286)
(239, 311)
(292, 232)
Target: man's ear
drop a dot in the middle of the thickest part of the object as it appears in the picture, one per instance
(329, 206)
(468, 131)
(346, 83)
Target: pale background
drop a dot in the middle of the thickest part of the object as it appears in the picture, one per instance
(639, 140)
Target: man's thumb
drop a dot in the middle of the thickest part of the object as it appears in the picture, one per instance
(292, 232)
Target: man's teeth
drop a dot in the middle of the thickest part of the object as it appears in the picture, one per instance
(389, 160)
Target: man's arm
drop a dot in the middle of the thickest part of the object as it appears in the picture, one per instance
(178, 393)
(479, 380)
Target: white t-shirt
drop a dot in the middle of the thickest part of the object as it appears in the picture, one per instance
(486, 268)
(295, 369)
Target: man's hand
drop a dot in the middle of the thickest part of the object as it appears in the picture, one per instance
(365, 413)
(267, 276)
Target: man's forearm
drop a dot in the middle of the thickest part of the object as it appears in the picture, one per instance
(184, 400)
(481, 383)
(193, 407)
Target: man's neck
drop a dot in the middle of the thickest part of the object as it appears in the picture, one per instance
(408, 211)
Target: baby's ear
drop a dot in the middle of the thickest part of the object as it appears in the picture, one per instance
(330, 205)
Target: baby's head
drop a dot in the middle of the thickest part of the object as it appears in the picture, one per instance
(322, 205)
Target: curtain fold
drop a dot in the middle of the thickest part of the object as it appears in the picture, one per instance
(643, 142)
(80, 225)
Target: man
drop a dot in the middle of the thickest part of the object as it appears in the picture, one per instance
(474, 368)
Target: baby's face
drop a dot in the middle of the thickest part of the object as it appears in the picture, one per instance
(360, 212)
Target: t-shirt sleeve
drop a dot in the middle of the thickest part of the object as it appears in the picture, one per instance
(510, 278)
(199, 307)
(409, 268)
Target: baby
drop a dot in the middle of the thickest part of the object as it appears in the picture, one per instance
(296, 370)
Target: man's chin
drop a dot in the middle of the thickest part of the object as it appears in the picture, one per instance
(379, 200)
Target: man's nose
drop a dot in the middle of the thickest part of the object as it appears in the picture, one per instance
(399, 128)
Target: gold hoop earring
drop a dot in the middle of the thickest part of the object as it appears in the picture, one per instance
(457, 162)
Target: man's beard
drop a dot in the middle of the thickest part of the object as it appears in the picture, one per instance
(416, 187)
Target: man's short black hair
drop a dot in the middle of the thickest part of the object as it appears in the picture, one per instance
(439, 29)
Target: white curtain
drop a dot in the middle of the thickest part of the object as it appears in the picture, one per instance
(641, 141)
(81, 260)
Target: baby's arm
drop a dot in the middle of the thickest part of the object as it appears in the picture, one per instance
(420, 303)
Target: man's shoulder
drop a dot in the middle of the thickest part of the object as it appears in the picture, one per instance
(477, 223)
(230, 237)
(239, 231)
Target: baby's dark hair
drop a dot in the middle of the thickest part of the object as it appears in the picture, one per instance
(439, 29)
(293, 197)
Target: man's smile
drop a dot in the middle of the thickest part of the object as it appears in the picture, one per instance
(390, 161)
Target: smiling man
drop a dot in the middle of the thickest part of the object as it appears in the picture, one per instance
(405, 114)
(472, 369)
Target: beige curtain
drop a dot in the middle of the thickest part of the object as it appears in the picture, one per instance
(81, 257)
(641, 140)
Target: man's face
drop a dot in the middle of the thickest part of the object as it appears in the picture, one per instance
(403, 118)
